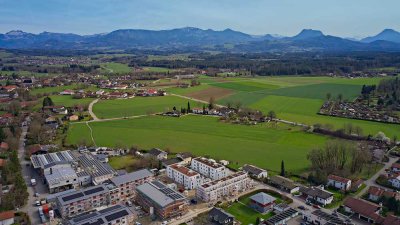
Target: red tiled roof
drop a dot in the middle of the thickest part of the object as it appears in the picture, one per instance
(363, 208)
(4, 145)
(6, 215)
(396, 165)
(338, 179)
(2, 162)
(391, 220)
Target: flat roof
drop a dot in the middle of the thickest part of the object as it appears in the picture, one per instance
(40, 161)
(211, 183)
(60, 174)
(131, 177)
(159, 193)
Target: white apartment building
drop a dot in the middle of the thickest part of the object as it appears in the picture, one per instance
(231, 185)
(209, 168)
(188, 178)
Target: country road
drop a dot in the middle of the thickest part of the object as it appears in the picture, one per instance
(90, 108)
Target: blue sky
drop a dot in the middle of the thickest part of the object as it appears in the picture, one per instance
(348, 18)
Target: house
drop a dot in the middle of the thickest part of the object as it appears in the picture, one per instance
(395, 167)
(67, 92)
(376, 193)
(356, 184)
(158, 153)
(160, 200)
(10, 88)
(320, 217)
(364, 210)
(391, 220)
(262, 202)
(209, 168)
(394, 180)
(59, 109)
(167, 162)
(7, 218)
(99, 92)
(186, 157)
(198, 111)
(73, 118)
(188, 178)
(282, 218)
(219, 216)
(284, 183)
(4, 146)
(317, 195)
(338, 182)
(2, 162)
(254, 171)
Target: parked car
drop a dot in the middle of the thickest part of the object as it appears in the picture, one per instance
(302, 207)
(37, 203)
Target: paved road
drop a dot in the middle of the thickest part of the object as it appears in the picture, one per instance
(90, 108)
(28, 173)
(371, 181)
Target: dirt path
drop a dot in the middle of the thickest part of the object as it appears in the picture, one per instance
(90, 108)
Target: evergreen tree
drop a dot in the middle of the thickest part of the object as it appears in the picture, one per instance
(47, 101)
(282, 168)
(189, 110)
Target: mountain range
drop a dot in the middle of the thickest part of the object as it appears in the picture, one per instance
(191, 39)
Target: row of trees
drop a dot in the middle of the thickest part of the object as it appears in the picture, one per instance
(337, 157)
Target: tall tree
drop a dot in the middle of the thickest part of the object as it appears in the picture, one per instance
(47, 101)
(271, 115)
(189, 110)
(328, 96)
(282, 168)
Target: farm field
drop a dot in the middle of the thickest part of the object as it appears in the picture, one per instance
(51, 90)
(115, 68)
(296, 99)
(138, 106)
(260, 145)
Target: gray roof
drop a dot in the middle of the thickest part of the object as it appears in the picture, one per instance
(130, 177)
(262, 198)
(60, 174)
(40, 161)
(219, 215)
(156, 151)
(253, 170)
(159, 193)
(315, 192)
(283, 182)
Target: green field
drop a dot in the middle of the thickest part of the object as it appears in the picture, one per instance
(138, 106)
(157, 69)
(115, 68)
(296, 99)
(50, 90)
(202, 135)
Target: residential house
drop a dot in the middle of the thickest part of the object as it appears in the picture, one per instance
(395, 167)
(394, 180)
(282, 218)
(4, 146)
(2, 163)
(231, 185)
(356, 185)
(338, 182)
(186, 157)
(320, 217)
(7, 218)
(262, 202)
(188, 178)
(254, 171)
(220, 217)
(73, 118)
(364, 210)
(376, 193)
(284, 183)
(209, 168)
(317, 195)
(67, 92)
(158, 153)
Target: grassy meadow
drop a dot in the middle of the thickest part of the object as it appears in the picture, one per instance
(138, 106)
(202, 135)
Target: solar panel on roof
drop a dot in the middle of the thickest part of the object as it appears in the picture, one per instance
(100, 221)
(116, 215)
(70, 197)
(110, 209)
(94, 190)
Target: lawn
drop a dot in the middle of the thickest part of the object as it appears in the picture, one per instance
(260, 145)
(121, 162)
(138, 106)
(51, 90)
(69, 101)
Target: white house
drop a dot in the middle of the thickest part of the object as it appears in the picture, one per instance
(395, 181)
(67, 92)
(7, 218)
(317, 195)
(188, 178)
(395, 167)
(209, 168)
(158, 153)
(338, 182)
(255, 171)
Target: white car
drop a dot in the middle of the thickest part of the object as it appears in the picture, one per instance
(37, 203)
